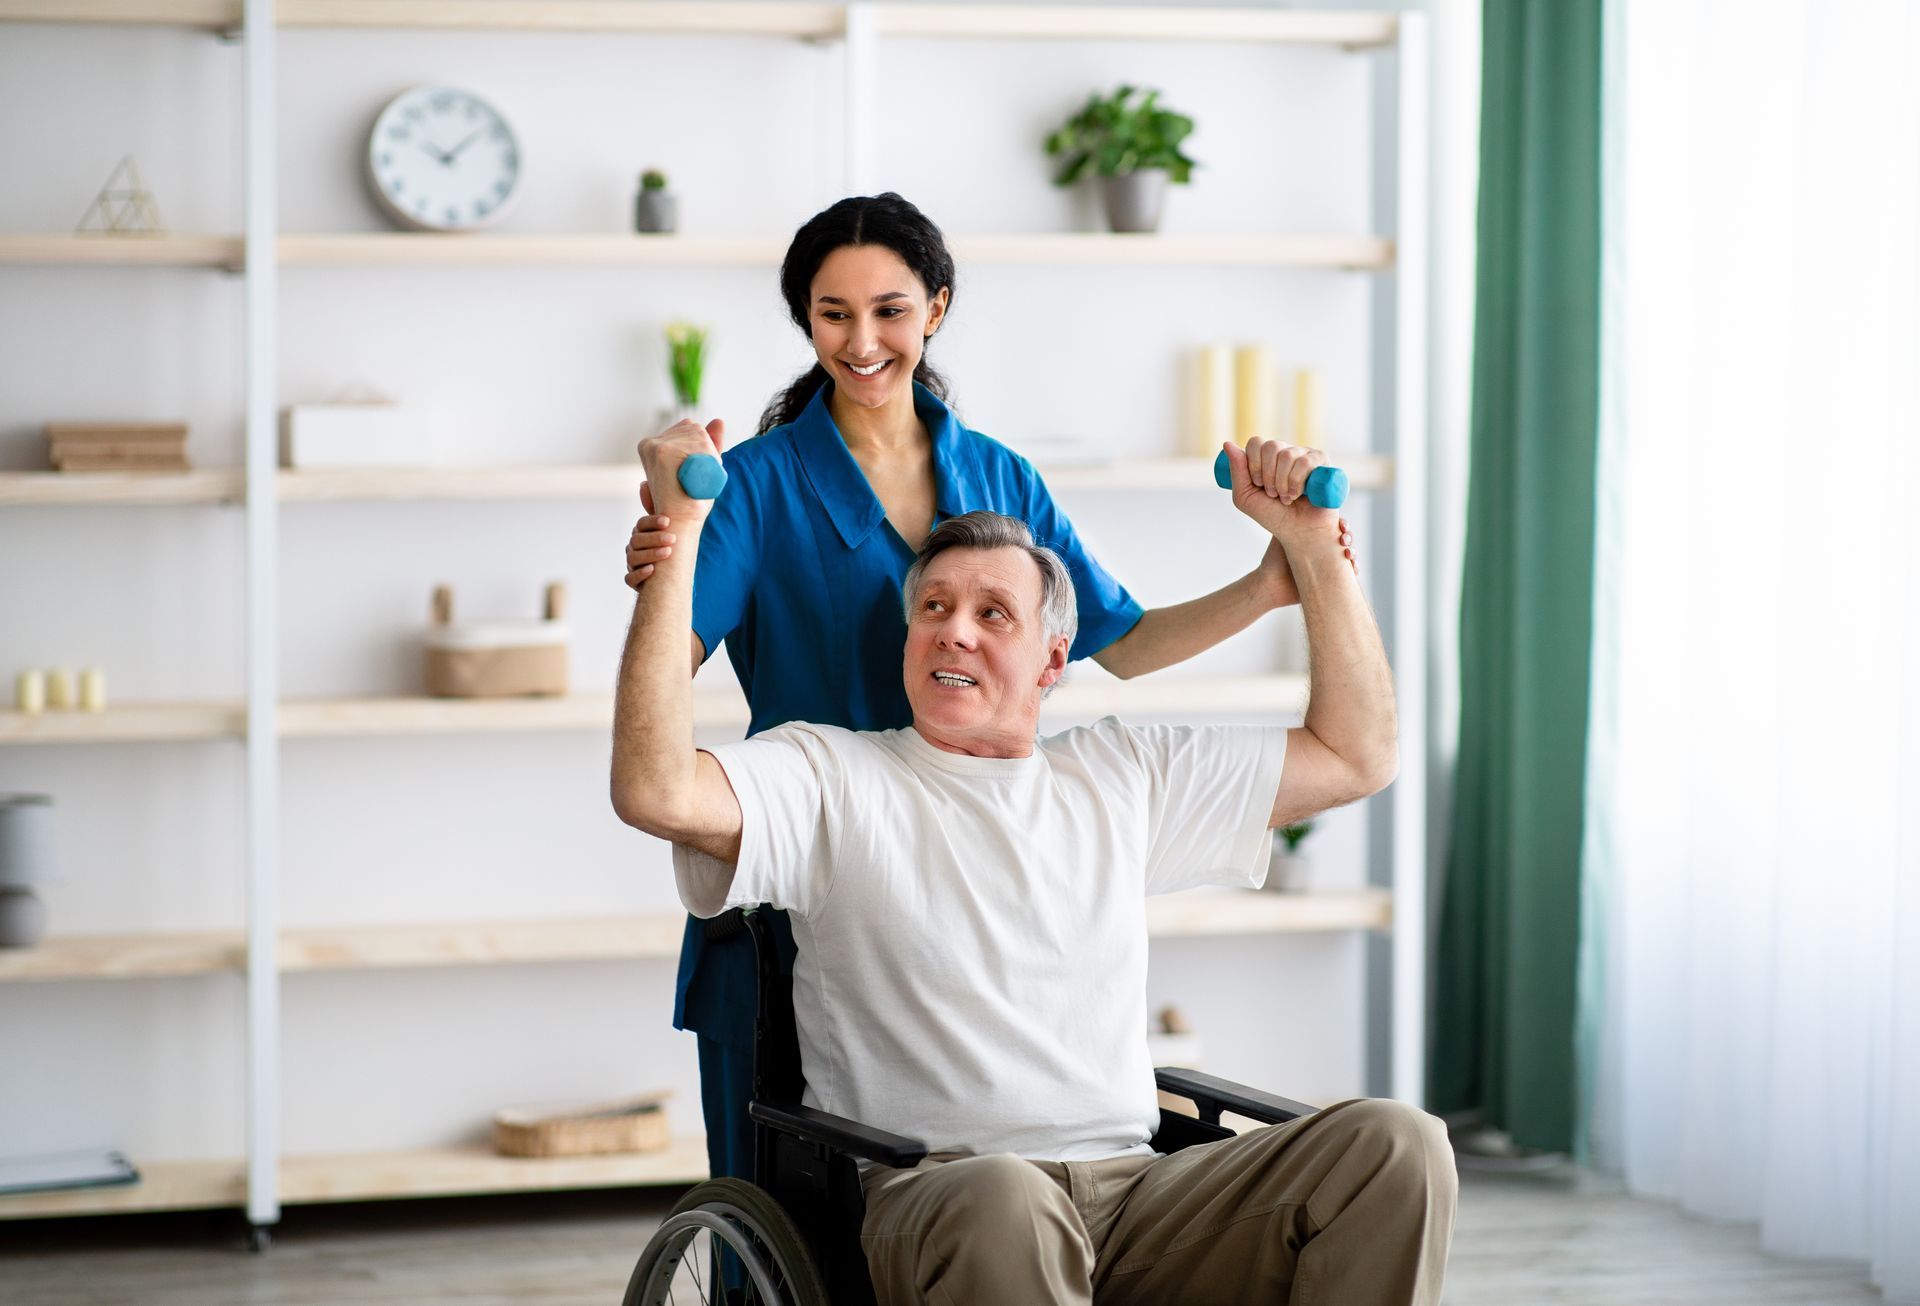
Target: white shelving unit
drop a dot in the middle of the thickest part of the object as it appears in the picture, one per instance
(263, 951)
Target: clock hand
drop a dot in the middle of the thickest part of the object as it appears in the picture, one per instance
(454, 153)
(437, 153)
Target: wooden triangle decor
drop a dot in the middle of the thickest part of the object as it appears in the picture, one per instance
(124, 205)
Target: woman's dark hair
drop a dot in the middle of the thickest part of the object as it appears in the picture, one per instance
(859, 220)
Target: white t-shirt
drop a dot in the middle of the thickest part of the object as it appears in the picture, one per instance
(972, 931)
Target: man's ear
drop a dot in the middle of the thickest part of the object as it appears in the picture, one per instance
(1056, 666)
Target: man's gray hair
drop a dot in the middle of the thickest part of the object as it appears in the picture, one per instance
(1059, 613)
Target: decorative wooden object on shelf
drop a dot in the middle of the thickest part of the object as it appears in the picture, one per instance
(497, 659)
(117, 446)
(125, 209)
(628, 1124)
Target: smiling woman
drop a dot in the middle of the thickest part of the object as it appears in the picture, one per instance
(801, 561)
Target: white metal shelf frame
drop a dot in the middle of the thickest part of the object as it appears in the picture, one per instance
(861, 26)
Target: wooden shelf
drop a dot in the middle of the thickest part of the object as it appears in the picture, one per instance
(1365, 253)
(163, 1186)
(128, 723)
(125, 956)
(721, 706)
(186, 251)
(463, 1171)
(660, 17)
(424, 1172)
(541, 482)
(653, 935)
(582, 481)
(396, 947)
(1244, 911)
(423, 249)
(1352, 31)
(1054, 249)
(207, 485)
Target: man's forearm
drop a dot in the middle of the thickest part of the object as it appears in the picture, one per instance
(1164, 636)
(653, 754)
(1351, 708)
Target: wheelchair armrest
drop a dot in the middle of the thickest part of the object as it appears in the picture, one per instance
(1212, 1095)
(839, 1133)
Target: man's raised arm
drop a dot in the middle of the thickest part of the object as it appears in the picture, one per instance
(661, 783)
(1349, 747)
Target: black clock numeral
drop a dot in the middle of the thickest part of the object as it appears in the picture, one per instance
(386, 160)
(442, 102)
(499, 132)
(453, 215)
(501, 188)
(399, 184)
(481, 208)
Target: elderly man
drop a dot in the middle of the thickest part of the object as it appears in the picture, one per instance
(968, 903)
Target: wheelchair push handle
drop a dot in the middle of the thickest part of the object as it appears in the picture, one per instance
(1326, 486)
(702, 476)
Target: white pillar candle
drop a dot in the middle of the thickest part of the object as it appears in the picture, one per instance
(93, 690)
(1306, 409)
(1256, 401)
(30, 693)
(1213, 398)
(59, 689)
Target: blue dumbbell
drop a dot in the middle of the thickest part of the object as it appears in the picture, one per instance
(702, 476)
(1326, 486)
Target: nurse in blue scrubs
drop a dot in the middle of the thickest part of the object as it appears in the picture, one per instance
(802, 559)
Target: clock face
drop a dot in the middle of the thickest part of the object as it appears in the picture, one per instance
(442, 160)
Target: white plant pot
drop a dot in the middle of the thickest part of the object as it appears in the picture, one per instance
(1288, 872)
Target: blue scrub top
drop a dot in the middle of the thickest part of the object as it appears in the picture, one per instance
(800, 574)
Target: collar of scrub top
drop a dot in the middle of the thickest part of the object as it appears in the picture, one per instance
(842, 487)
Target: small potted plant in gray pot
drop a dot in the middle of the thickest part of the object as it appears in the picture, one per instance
(1134, 148)
(1287, 870)
(655, 210)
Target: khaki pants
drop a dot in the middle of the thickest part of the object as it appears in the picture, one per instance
(1350, 1206)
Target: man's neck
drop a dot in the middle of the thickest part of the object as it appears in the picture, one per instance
(982, 743)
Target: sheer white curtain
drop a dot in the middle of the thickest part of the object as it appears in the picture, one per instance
(1753, 967)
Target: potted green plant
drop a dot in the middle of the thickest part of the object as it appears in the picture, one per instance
(1287, 870)
(1134, 148)
(686, 363)
(655, 210)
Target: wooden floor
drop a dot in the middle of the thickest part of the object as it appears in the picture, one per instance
(1561, 1238)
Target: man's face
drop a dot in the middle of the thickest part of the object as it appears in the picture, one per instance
(977, 658)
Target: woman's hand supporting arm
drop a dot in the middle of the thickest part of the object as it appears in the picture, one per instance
(660, 782)
(1164, 636)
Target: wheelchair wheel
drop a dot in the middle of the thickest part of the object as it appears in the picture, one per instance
(726, 1221)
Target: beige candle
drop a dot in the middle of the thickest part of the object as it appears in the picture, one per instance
(1306, 408)
(93, 690)
(1213, 398)
(1256, 403)
(60, 689)
(30, 693)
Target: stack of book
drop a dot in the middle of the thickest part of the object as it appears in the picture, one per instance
(117, 446)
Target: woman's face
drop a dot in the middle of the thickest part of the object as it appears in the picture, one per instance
(868, 309)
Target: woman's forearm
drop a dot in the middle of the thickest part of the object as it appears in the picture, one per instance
(1164, 636)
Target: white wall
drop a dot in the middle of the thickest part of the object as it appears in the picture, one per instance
(542, 365)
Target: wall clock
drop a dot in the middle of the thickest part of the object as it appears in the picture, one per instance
(441, 159)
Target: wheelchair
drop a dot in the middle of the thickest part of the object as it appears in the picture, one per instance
(792, 1238)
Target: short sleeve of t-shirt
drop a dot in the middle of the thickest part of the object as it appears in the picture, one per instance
(729, 560)
(1209, 794)
(1107, 611)
(785, 779)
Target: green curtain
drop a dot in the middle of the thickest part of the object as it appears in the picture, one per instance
(1504, 969)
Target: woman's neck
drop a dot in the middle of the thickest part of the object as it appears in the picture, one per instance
(877, 432)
